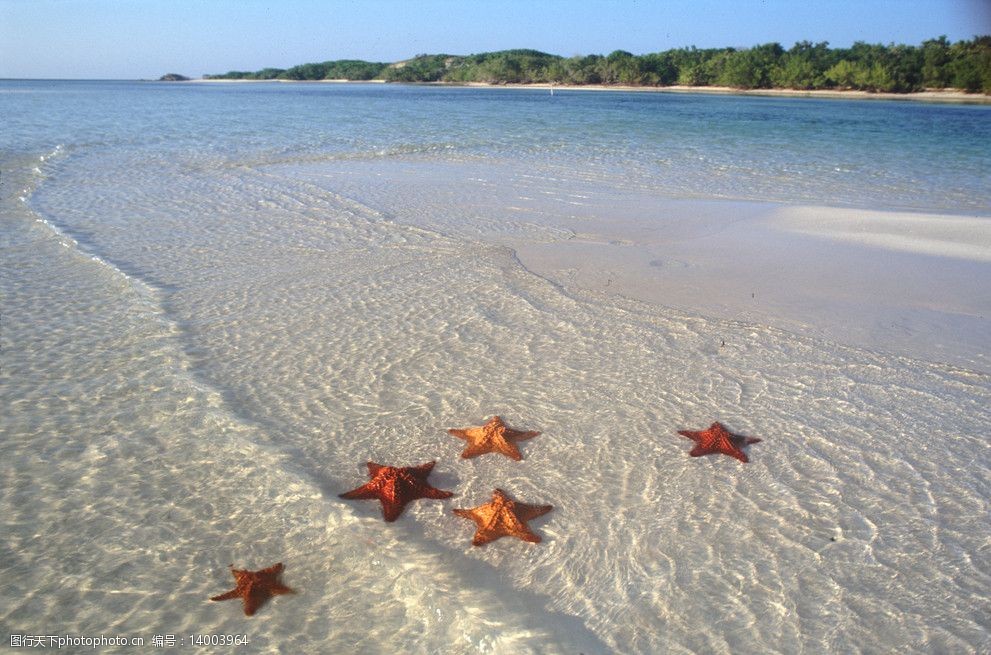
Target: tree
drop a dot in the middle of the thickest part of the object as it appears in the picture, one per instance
(970, 65)
(844, 74)
(936, 73)
(619, 67)
(584, 70)
(749, 69)
(804, 66)
(903, 65)
(873, 67)
(305, 72)
(659, 68)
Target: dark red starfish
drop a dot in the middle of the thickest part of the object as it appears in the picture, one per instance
(717, 439)
(396, 486)
(255, 587)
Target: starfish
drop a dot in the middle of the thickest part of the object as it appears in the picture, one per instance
(717, 439)
(493, 437)
(255, 587)
(503, 517)
(395, 486)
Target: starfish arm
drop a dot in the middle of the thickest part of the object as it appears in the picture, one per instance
(481, 535)
(751, 440)
(460, 434)
(373, 468)
(437, 494)
(527, 512)
(699, 451)
(364, 492)
(280, 589)
(740, 456)
(527, 535)
(233, 593)
(466, 513)
(519, 436)
(694, 436)
(424, 468)
(272, 570)
(392, 510)
(252, 601)
(508, 449)
(481, 538)
(473, 450)
(420, 474)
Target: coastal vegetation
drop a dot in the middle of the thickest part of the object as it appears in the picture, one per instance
(935, 64)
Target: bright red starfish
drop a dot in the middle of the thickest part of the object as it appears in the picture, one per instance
(395, 486)
(717, 439)
(493, 437)
(255, 587)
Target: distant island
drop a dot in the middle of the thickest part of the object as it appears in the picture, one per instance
(173, 77)
(935, 64)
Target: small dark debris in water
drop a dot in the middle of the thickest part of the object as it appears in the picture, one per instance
(832, 538)
(722, 343)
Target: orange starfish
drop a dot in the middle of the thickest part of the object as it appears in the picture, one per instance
(493, 437)
(396, 486)
(717, 439)
(255, 587)
(503, 517)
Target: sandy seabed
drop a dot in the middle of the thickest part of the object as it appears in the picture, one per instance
(190, 379)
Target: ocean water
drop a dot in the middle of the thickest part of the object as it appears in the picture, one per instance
(221, 300)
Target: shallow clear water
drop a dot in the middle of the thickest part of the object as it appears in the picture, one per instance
(206, 335)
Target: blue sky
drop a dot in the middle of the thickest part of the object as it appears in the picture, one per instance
(132, 39)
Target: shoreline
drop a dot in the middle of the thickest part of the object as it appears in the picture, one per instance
(925, 96)
(932, 95)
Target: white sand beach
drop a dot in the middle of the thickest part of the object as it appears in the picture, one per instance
(930, 95)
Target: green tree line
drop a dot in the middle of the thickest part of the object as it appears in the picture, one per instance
(935, 64)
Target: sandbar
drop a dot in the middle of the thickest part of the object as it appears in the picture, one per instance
(909, 284)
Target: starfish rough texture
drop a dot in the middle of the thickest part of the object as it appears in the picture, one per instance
(717, 439)
(255, 587)
(503, 517)
(493, 437)
(396, 486)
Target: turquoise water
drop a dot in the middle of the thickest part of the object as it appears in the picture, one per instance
(883, 154)
(220, 301)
